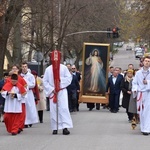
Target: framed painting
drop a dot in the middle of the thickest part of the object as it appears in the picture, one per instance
(95, 65)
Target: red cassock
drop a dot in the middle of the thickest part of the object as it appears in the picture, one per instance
(12, 120)
(23, 114)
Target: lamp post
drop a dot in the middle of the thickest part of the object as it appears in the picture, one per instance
(38, 56)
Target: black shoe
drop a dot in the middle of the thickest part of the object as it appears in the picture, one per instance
(20, 130)
(90, 109)
(30, 125)
(25, 126)
(77, 109)
(74, 110)
(41, 121)
(13, 134)
(65, 131)
(114, 111)
(97, 108)
(104, 107)
(145, 133)
(54, 131)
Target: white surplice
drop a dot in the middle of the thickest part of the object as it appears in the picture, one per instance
(31, 112)
(12, 105)
(64, 118)
(143, 98)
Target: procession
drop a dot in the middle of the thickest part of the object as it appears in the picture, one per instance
(74, 75)
(24, 96)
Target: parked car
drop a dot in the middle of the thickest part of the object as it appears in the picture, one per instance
(115, 44)
(139, 53)
(128, 48)
(137, 49)
(118, 44)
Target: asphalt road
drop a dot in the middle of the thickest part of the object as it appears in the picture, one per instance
(93, 130)
(123, 58)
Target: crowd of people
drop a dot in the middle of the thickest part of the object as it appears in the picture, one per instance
(22, 99)
(135, 87)
(24, 95)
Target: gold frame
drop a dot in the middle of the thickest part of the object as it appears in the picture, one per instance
(97, 98)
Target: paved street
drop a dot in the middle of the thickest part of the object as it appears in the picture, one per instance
(123, 58)
(93, 130)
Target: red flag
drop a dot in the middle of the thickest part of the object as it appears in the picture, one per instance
(55, 60)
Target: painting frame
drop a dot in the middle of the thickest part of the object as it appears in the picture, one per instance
(98, 95)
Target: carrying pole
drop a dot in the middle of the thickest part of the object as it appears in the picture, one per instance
(57, 110)
(55, 59)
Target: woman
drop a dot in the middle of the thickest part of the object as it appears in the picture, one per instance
(133, 105)
(126, 89)
(41, 104)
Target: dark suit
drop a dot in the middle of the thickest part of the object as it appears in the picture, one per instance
(78, 75)
(72, 93)
(114, 91)
(1, 98)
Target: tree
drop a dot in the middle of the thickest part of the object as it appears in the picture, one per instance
(134, 18)
(143, 19)
(49, 21)
(8, 14)
(94, 17)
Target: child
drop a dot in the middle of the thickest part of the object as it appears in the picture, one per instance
(13, 92)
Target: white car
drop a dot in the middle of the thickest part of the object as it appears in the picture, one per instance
(139, 54)
(120, 44)
(137, 49)
(128, 48)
